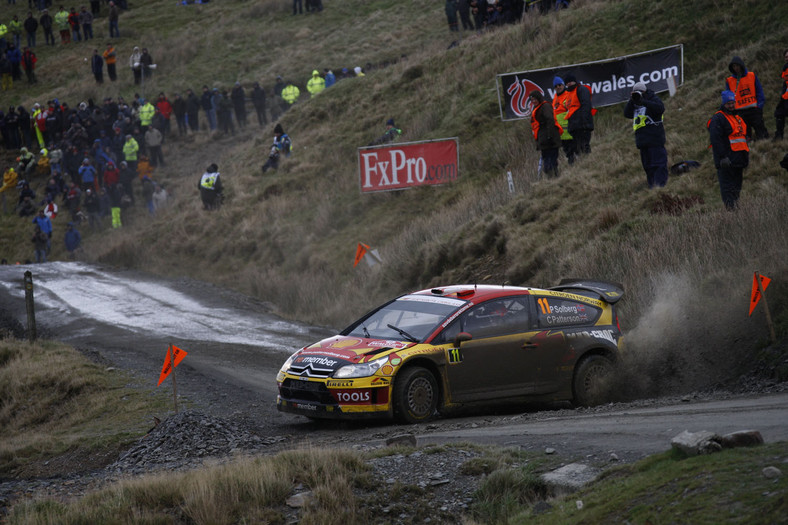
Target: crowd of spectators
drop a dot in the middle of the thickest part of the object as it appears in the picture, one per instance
(478, 15)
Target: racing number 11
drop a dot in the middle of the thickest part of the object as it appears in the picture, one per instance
(542, 302)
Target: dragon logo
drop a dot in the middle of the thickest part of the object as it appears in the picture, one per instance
(518, 90)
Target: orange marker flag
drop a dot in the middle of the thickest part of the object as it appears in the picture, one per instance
(361, 249)
(755, 296)
(166, 369)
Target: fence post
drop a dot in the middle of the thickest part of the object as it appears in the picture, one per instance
(31, 309)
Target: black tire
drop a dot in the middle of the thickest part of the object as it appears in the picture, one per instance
(592, 382)
(415, 395)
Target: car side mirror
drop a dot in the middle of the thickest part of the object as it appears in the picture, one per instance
(462, 337)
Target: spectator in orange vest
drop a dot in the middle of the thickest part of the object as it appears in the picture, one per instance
(547, 133)
(749, 97)
(728, 136)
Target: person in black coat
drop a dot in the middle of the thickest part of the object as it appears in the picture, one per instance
(581, 120)
(192, 110)
(646, 109)
(728, 136)
(97, 66)
(546, 132)
(258, 100)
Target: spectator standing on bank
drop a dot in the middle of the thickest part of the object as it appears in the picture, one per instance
(210, 186)
(207, 105)
(329, 77)
(86, 21)
(164, 107)
(40, 241)
(47, 23)
(238, 97)
(646, 110)
(153, 140)
(179, 110)
(31, 26)
(561, 103)
(464, 8)
(749, 97)
(547, 134)
(45, 225)
(113, 16)
(193, 110)
(110, 57)
(14, 57)
(73, 22)
(97, 65)
(279, 106)
(146, 60)
(135, 64)
(580, 114)
(131, 150)
(290, 95)
(781, 112)
(316, 84)
(451, 14)
(29, 65)
(72, 240)
(728, 136)
(258, 101)
(15, 27)
(224, 111)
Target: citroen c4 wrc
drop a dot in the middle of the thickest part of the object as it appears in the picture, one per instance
(463, 344)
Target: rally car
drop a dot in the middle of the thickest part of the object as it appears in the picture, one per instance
(454, 345)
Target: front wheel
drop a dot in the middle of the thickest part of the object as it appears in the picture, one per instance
(592, 383)
(415, 395)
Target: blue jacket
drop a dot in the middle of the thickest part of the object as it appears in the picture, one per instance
(87, 173)
(44, 223)
(72, 238)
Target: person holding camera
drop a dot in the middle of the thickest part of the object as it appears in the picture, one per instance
(646, 111)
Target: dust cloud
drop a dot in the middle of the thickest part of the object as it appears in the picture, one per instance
(688, 338)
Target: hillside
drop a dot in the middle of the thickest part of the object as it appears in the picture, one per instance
(289, 237)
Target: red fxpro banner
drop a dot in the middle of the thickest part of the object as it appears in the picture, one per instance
(401, 166)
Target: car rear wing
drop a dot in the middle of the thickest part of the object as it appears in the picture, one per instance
(608, 291)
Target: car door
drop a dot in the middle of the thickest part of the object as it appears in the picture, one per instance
(496, 362)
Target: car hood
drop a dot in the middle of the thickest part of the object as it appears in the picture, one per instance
(338, 351)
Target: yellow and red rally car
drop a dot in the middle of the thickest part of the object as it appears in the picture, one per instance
(455, 345)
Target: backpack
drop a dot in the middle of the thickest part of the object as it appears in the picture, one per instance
(286, 145)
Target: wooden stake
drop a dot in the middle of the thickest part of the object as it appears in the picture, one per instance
(174, 384)
(766, 308)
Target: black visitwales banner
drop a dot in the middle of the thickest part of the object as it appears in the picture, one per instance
(611, 80)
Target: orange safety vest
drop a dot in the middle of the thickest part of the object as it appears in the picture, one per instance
(738, 136)
(744, 88)
(574, 102)
(535, 121)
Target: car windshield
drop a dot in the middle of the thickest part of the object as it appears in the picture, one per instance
(409, 318)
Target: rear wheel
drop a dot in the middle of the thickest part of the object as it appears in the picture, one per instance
(415, 395)
(592, 383)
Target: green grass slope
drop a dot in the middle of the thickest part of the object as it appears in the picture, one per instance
(290, 237)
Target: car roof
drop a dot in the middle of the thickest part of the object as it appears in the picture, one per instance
(607, 291)
(475, 292)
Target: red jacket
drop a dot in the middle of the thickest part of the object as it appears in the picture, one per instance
(164, 107)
